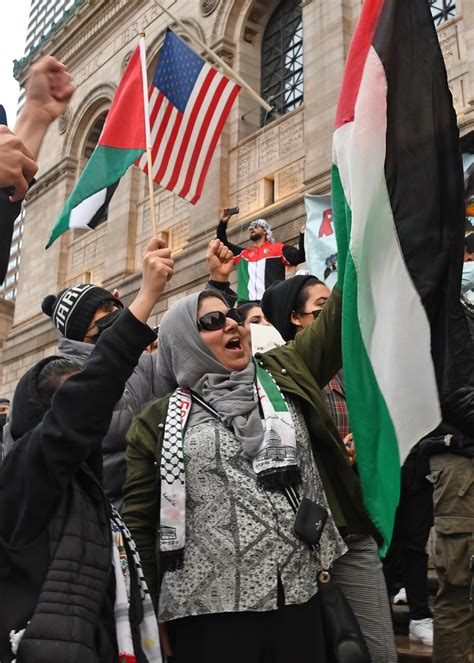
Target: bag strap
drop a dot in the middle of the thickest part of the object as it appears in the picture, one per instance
(205, 406)
(292, 496)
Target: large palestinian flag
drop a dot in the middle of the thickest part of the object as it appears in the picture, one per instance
(397, 209)
(121, 142)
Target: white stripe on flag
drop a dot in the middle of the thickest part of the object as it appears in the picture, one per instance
(393, 322)
(84, 212)
(173, 117)
(186, 162)
(211, 130)
(256, 271)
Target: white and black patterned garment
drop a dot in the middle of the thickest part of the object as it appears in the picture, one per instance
(238, 536)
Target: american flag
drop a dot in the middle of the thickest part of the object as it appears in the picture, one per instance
(189, 101)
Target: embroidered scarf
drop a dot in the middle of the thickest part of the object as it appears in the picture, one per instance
(274, 462)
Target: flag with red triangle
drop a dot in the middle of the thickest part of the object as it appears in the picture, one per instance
(122, 141)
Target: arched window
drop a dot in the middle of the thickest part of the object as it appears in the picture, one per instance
(282, 59)
(87, 149)
(442, 10)
(92, 138)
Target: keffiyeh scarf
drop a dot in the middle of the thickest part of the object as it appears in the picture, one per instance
(273, 458)
(122, 563)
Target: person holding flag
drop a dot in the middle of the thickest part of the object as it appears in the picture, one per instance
(71, 581)
(170, 131)
(408, 356)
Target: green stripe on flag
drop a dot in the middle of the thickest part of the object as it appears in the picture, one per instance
(375, 438)
(105, 167)
(243, 280)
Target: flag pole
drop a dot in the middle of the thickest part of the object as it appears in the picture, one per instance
(225, 67)
(151, 193)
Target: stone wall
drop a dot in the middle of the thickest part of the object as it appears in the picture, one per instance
(263, 171)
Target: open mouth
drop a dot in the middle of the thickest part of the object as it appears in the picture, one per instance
(234, 344)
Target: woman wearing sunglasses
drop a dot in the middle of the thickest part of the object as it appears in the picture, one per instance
(208, 468)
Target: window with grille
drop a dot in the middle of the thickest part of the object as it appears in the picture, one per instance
(442, 10)
(282, 60)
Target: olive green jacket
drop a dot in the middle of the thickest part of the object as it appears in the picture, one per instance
(301, 369)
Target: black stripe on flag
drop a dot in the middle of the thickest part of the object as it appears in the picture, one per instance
(425, 181)
(102, 212)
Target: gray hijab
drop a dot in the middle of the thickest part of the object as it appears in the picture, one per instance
(184, 360)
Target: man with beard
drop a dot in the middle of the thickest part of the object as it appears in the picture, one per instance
(262, 264)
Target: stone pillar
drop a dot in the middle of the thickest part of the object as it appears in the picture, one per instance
(120, 236)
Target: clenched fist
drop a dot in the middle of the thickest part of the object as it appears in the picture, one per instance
(157, 270)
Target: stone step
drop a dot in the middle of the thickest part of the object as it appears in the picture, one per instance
(412, 652)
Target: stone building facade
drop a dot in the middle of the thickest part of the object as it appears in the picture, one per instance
(262, 165)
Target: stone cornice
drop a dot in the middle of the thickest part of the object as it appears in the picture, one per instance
(85, 23)
(65, 167)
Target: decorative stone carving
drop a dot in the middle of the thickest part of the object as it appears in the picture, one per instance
(248, 199)
(245, 160)
(179, 236)
(289, 179)
(291, 135)
(268, 144)
(126, 60)
(208, 6)
(65, 168)
(64, 120)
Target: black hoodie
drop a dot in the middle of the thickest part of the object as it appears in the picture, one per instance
(50, 498)
(279, 300)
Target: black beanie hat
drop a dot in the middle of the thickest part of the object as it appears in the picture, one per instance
(73, 308)
(279, 301)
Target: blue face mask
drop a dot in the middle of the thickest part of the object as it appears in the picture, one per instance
(467, 277)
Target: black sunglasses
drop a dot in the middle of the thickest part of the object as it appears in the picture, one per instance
(216, 319)
(315, 313)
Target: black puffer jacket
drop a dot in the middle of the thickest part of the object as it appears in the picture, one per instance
(55, 541)
(138, 392)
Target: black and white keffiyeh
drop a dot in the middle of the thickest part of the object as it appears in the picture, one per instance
(274, 460)
(149, 637)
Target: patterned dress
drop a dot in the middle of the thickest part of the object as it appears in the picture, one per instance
(239, 540)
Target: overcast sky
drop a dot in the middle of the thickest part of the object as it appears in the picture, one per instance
(13, 28)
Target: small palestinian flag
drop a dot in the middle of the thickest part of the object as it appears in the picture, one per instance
(121, 142)
(397, 204)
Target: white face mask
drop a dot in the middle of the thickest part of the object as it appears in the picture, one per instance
(467, 277)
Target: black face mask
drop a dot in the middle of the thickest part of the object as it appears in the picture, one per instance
(104, 323)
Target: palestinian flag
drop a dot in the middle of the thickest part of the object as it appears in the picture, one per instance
(121, 142)
(398, 213)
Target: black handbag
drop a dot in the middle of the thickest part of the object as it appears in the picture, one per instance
(345, 642)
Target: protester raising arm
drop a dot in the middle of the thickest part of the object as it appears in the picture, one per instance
(221, 234)
(45, 458)
(17, 164)
(220, 262)
(48, 92)
(293, 255)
